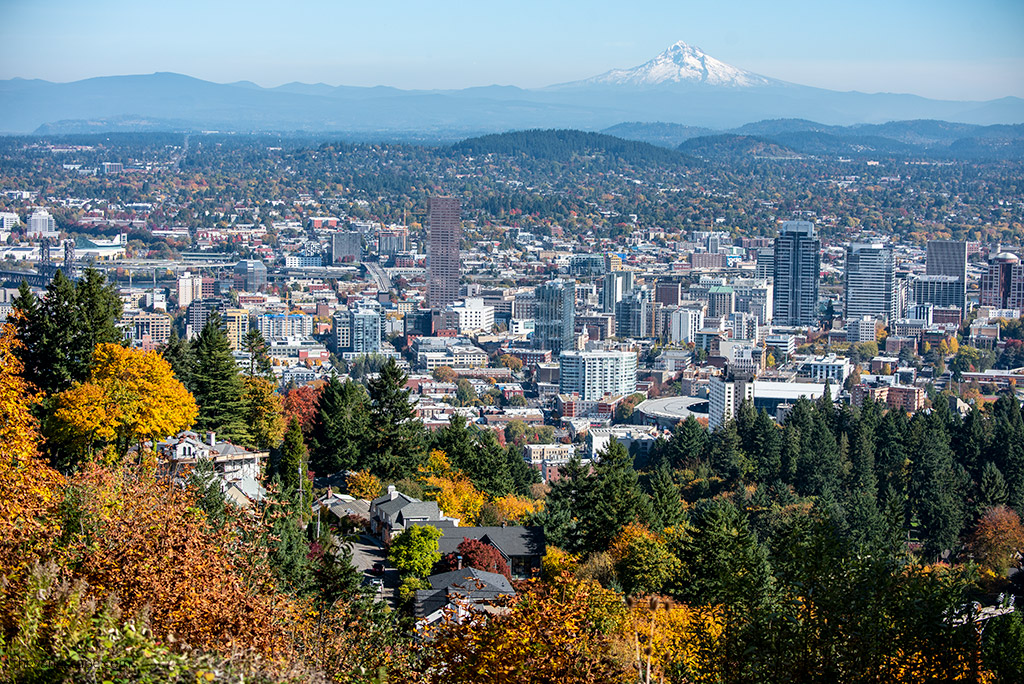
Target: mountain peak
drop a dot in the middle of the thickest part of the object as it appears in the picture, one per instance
(681, 63)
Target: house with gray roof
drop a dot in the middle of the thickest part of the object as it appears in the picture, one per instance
(521, 547)
(459, 591)
(395, 512)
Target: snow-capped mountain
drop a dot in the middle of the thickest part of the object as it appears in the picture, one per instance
(680, 64)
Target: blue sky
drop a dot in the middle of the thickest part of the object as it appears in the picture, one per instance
(966, 49)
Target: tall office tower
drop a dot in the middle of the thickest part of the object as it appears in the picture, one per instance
(236, 325)
(366, 330)
(617, 284)
(870, 281)
(634, 315)
(391, 241)
(684, 322)
(943, 291)
(765, 268)
(795, 274)
(668, 293)
(445, 230)
(346, 247)
(42, 225)
(725, 395)
(1002, 285)
(555, 316)
(594, 374)
(721, 301)
(949, 258)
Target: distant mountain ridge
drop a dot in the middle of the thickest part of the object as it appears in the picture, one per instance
(682, 85)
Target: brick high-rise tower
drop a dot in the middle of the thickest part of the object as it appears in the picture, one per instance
(445, 232)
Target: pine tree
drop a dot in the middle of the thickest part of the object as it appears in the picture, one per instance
(688, 444)
(569, 494)
(209, 495)
(520, 472)
(288, 549)
(217, 385)
(666, 503)
(992, 490)
(178, 353)
(99, 309)
(725, 456)
(395, 435)
(936, 494)
(339, 438)
(293, 467)
(1008, 447)
(614, 499)
(765, 448)
(259, 359)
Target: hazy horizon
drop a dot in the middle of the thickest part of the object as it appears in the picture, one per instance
(943, 49)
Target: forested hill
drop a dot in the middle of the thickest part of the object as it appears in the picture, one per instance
(563, 145)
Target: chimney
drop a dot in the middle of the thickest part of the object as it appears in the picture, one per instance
(392, 493)
(212, 436)
(458, 562)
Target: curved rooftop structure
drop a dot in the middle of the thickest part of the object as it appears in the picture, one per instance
(667, 411)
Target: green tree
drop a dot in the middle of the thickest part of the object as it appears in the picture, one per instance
(395, 435)
(262, 409)
(339, 439)
(217, 385)
(293, 467)
(257, 348)
(178, 353)
(646, 566)
(688, 444)
(209, 495)
(414, 551)
(288, 550)
(612, 499)
(935, 492)
(666, 503)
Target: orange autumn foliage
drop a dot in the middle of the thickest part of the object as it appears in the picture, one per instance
(145, 542)
(515, 508)
(29, 489)
(997, 539)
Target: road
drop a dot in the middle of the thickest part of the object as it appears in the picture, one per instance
(379, 276)
(367, 551)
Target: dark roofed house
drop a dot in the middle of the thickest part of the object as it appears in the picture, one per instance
(521, 547)
(461, 591)
(394, 512)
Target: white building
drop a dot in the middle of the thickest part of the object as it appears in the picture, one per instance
(684, 323)
(593, 374)
(821, 368)
(285, 325)
(190, 288)
(469, 316)
(724, 398)
(42, 225)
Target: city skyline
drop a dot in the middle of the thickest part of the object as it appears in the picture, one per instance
(943, 50)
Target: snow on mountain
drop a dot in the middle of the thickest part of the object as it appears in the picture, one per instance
(681, 63)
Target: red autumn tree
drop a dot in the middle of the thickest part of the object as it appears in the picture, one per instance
(301, 403)
(476, 554)
(997, 539)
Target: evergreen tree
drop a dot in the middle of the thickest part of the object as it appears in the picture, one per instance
(666, 503)
(99, 309)
(765, 448)
(936, 495)
(178, 353)
(521, 474)
(339, 438)
(725, 456)
(257, 348)
(688, 444)
(262, 408)
(891, 454)
(613, 499)
(209, 495)
(819, 467)
(992, 490)
(293, 467)
(288, 549)
(396, 436)
(217, 385)
(569, 494)
(1008, 447)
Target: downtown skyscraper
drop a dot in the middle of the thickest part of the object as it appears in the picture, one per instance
(555, 316)
(949, 258)
(795, 273)
(443, 273)
(870, 281)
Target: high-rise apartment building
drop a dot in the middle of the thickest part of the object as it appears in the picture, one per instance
(684, 322)
(721, 301)
(445, 230)
(634, 315)
(949, 258)
(870, 281)
(617, 284)
(796, 267)
(1002, 285)
(725, 395)
(593, 374)
(236, 325)
(555, 316)
(42, 225)
(346, 247)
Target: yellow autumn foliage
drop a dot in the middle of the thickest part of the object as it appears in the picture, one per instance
(515, 508)
(130, 396)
